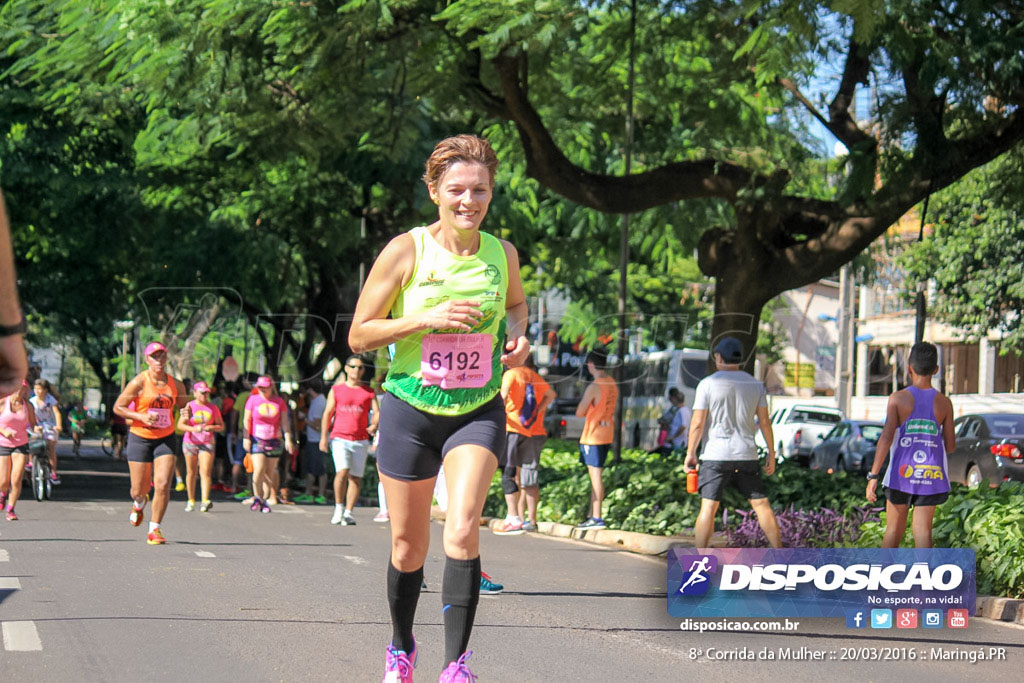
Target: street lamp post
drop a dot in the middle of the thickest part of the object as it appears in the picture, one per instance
(125, 326)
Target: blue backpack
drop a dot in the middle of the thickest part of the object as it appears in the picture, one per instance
(528, 413)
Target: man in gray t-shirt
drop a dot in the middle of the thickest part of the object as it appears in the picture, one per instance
(723, 417)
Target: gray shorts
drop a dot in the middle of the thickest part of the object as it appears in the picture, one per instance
(350, 455)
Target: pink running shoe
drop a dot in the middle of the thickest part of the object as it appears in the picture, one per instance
(458, 672)
(399, 665)
(11, 517)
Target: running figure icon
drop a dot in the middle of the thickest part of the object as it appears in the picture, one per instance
(697, 573)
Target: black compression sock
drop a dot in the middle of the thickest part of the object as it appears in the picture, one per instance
(403, 594)
(460, 593)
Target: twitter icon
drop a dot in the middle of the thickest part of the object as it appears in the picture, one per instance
(881, 618)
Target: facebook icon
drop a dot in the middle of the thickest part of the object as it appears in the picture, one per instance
(855, 618)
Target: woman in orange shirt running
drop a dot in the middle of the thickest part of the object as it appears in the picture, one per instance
(152, 443)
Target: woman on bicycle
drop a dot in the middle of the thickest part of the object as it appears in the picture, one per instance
(152, 443)
(264, 422)
(17, 419)
(201, 421)
(48, 417)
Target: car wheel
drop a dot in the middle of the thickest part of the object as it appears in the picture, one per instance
(973, 476)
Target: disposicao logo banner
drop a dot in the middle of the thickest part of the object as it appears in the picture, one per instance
(810, 582)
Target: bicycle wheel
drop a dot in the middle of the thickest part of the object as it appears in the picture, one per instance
(40, 478)
(106, 443)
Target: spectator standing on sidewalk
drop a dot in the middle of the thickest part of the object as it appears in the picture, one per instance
(312, 458)
(598, 407)
(679, 430)
(927, 414)
(726, 403)
(527, 396)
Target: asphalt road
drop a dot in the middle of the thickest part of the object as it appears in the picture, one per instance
(241, 596)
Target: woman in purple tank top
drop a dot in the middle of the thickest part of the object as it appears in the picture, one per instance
(917, 435)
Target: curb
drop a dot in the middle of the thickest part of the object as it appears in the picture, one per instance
(1000, 609)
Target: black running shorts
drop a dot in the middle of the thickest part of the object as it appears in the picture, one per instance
(141, 449)
(413, 443)
(717, 475)
(897, 497)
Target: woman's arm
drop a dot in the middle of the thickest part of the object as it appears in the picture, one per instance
(130, 393)
(516, 312)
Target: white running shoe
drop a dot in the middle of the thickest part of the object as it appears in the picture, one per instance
(347, 519)
(190, 506)
(336, 519)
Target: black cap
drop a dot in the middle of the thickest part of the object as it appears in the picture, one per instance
(730, 349)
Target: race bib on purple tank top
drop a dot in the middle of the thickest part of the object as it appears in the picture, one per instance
(917, 459)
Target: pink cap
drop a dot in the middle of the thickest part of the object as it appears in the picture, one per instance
(201, 386)
(264, 382)
(154, 347)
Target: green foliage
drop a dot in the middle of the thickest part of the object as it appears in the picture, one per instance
(647, 493)
(989, 521)
(976, 252)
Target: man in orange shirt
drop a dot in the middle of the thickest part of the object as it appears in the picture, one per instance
(526, 396)
(598, 407)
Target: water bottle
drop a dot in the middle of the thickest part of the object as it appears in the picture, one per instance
(691, 481)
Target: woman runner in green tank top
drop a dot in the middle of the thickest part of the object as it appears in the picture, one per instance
(449, 298)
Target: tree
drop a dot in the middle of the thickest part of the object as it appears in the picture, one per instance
(721, 116)
(975, 253)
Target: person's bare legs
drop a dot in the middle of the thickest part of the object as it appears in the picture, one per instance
(596, 490)
(352, 495)
(705, 524)
(895, 524)
(409, 507)
(766, 518)
(51, 454)
(141, 474)
(163, 474)
(205, 473)
(259, 475)
(468, 471)
(191, 470)
(16, 473)
(922, 525)
(341, 488)
(530, 497)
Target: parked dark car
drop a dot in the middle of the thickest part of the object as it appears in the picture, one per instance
(988, 446)
(850, 446)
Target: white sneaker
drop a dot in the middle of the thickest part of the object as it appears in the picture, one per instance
(347, 519)
(190, 506)
(337, 518)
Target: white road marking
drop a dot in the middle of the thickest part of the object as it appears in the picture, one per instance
(354, 560)
(204, 553)
(93, 506)
(290, 510)
(4, 556)
(21, 636)
(9, 583)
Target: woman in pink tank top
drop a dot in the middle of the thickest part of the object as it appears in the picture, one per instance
(17, 419)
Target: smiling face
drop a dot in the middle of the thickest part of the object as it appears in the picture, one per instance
(462, 195)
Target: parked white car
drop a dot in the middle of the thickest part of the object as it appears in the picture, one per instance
(798, 429)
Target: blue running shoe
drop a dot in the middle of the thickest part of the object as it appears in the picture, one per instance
(488, 586)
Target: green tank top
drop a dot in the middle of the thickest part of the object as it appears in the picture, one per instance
(440, 276)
